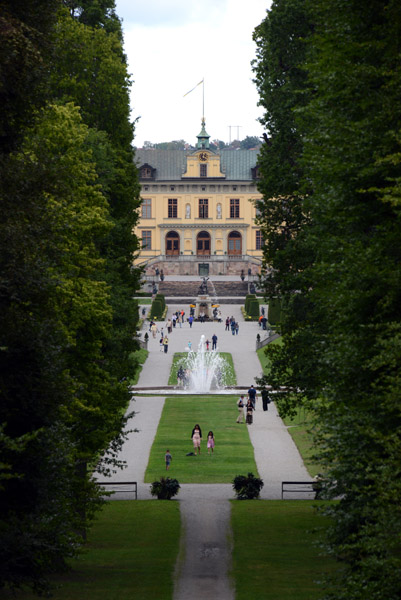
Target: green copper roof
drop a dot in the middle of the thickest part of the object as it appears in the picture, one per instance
(203, 137)
(171, 164)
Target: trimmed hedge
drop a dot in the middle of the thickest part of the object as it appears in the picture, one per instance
(156, 309)
(253, 308)
(247, 300)
(162, 300)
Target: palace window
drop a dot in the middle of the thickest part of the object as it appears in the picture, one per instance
(259, 240)
(146, 240)
(203, 170)
(203, 208)
(147, 208)
(172, 208)
(234, 208)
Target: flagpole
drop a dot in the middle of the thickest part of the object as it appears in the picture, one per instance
(203, 100)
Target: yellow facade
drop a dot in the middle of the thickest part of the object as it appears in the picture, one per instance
(199, 208)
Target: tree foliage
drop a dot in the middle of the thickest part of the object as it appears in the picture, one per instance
(69, 194)
(338, 271)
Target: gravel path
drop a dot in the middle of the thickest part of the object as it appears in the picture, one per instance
(203, 565)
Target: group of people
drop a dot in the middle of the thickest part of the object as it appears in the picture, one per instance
(232, 324)
(247, 406)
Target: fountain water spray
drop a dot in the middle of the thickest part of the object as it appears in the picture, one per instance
(204, 370)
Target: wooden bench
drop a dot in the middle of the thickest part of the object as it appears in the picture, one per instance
(117, 484)
(307, 487)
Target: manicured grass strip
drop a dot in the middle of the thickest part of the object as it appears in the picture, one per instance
(264, 361)
(140, 355)
(131, 553)
(299, 428)
(233, 454)
(229, 378)
(275, 554)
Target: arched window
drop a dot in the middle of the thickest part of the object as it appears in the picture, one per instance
(203, 243)
(172, 243)
(234, 242)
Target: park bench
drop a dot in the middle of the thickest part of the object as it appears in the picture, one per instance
(116, 487)
(295, 487)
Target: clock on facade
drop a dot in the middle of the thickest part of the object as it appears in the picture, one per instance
(203, 156)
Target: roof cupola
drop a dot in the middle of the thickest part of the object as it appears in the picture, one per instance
(203, 137)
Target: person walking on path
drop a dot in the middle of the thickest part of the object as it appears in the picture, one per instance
(236, 328)
(207, 344)
(249, 412)
(197, 438)
(161, 342)
(214, 341)
(265, 400)
(210, 442)
(190, 321)
(241, 408)
(228, 324)
(165, 344)
(169, 326)
(168, 458)
(252, 396)
(154, 329)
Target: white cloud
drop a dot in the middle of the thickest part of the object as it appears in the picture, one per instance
(169, 56)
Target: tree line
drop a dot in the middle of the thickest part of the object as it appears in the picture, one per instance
(248, 143)
(69, 198)
(329, 79)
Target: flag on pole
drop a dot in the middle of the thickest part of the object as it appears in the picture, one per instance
(193, 89)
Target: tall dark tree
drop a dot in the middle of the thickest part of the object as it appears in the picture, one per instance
(68, 193)
(346, 297)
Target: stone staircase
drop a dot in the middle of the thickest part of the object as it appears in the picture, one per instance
(190, 289)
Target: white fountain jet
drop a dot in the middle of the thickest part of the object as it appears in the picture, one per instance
(205, 369)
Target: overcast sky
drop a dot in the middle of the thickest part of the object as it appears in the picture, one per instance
(172, 45)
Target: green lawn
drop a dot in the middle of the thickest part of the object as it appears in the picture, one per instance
(275, 555)
(229, 380)
(141, 355)
(233, 454)
(131, 553)
(264, 361)
(299, 427)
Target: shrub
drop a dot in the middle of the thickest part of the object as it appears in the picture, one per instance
(247, 299)
(247, 487)
(253, 308)
(165, 488)
(156, 310)
(162, 299)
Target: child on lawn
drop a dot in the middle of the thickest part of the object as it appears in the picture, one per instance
(210, 442)
(168, 458)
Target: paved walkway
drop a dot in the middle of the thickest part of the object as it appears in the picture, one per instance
(204, 563)
(241, 346)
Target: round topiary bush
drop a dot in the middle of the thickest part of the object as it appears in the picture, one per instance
(247, 487)
(165, 488)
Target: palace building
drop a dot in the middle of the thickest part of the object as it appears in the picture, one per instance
(198, 210)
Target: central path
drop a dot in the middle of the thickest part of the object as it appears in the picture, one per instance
(204, 563)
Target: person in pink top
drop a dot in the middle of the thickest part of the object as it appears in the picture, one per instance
(210, 442)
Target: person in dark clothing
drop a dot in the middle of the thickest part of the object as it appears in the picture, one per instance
(214, 341)
(265, 399)
(252, 396)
